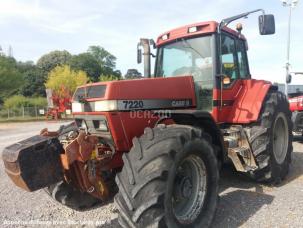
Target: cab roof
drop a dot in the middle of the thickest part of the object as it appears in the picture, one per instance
(190, 30)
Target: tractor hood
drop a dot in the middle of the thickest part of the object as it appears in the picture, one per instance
(138, 94)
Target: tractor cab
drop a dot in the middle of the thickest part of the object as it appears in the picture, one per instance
(195, 53)
(215, 56)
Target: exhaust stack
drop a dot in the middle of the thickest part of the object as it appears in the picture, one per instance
(145, 43)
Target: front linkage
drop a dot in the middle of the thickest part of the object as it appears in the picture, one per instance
(70, 156)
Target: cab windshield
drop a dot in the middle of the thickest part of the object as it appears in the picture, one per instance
(190, 57)
(186, 57)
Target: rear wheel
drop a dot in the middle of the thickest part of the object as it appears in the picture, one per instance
(271, 139)
(169, 179)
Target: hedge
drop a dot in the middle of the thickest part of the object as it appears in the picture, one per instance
(21, 101)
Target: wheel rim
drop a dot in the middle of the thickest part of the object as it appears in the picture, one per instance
(280, 138)
(189, 189)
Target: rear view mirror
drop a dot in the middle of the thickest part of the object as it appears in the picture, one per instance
(267, 24)
(139, 55)
(288, 78)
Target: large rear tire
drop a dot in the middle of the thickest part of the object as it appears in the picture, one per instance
(169, 179)
(67, 195)
(271, 139)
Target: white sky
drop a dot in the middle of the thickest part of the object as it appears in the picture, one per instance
(34, 27)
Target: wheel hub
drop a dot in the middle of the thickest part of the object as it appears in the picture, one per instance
(189, 189)
(186, 187)
(280, 138)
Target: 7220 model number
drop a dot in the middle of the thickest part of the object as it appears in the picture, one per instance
(133, 104)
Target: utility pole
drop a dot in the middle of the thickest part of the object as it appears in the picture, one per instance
(291, 4)
(10, 51)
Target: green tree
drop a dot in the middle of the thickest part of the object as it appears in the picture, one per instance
(25, 66)
(33, 82)
(104, 58)
(62, 80)
(104, 78)
(110, 71)
(87, 63)
(55, 58)
(132, 73)
(10, 77)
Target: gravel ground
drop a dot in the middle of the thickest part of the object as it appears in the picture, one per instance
(242, 203)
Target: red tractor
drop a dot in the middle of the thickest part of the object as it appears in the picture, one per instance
(163, 138)
(296, 106)
(58, 103)
(295, 98)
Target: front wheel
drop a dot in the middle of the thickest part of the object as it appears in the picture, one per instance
(169, 179)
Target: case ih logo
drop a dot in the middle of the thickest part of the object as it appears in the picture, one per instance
(180, 103)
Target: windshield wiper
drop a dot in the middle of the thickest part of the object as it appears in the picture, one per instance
(190, 47)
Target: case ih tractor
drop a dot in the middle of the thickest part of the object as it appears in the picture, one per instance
(295, 98)
(158, 143)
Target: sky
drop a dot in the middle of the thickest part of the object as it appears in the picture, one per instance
(33, 28)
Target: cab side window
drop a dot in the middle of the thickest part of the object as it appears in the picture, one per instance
(229, 57)
(242, 60)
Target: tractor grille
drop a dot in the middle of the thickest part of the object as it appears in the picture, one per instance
(95, 125)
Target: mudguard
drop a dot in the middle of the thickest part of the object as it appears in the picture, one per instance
(248, 102)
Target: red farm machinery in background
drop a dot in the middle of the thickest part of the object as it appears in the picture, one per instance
(58, 103)
(295, 97)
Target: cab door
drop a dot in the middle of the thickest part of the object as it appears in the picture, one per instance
(235, 66)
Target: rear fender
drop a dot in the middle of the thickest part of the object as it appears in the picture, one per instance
(247, 105)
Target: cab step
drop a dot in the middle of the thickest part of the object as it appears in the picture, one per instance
(239, 150)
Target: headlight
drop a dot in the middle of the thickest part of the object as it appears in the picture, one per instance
(103, 106)
(192, 29)
(95, 106)
(77, 107)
